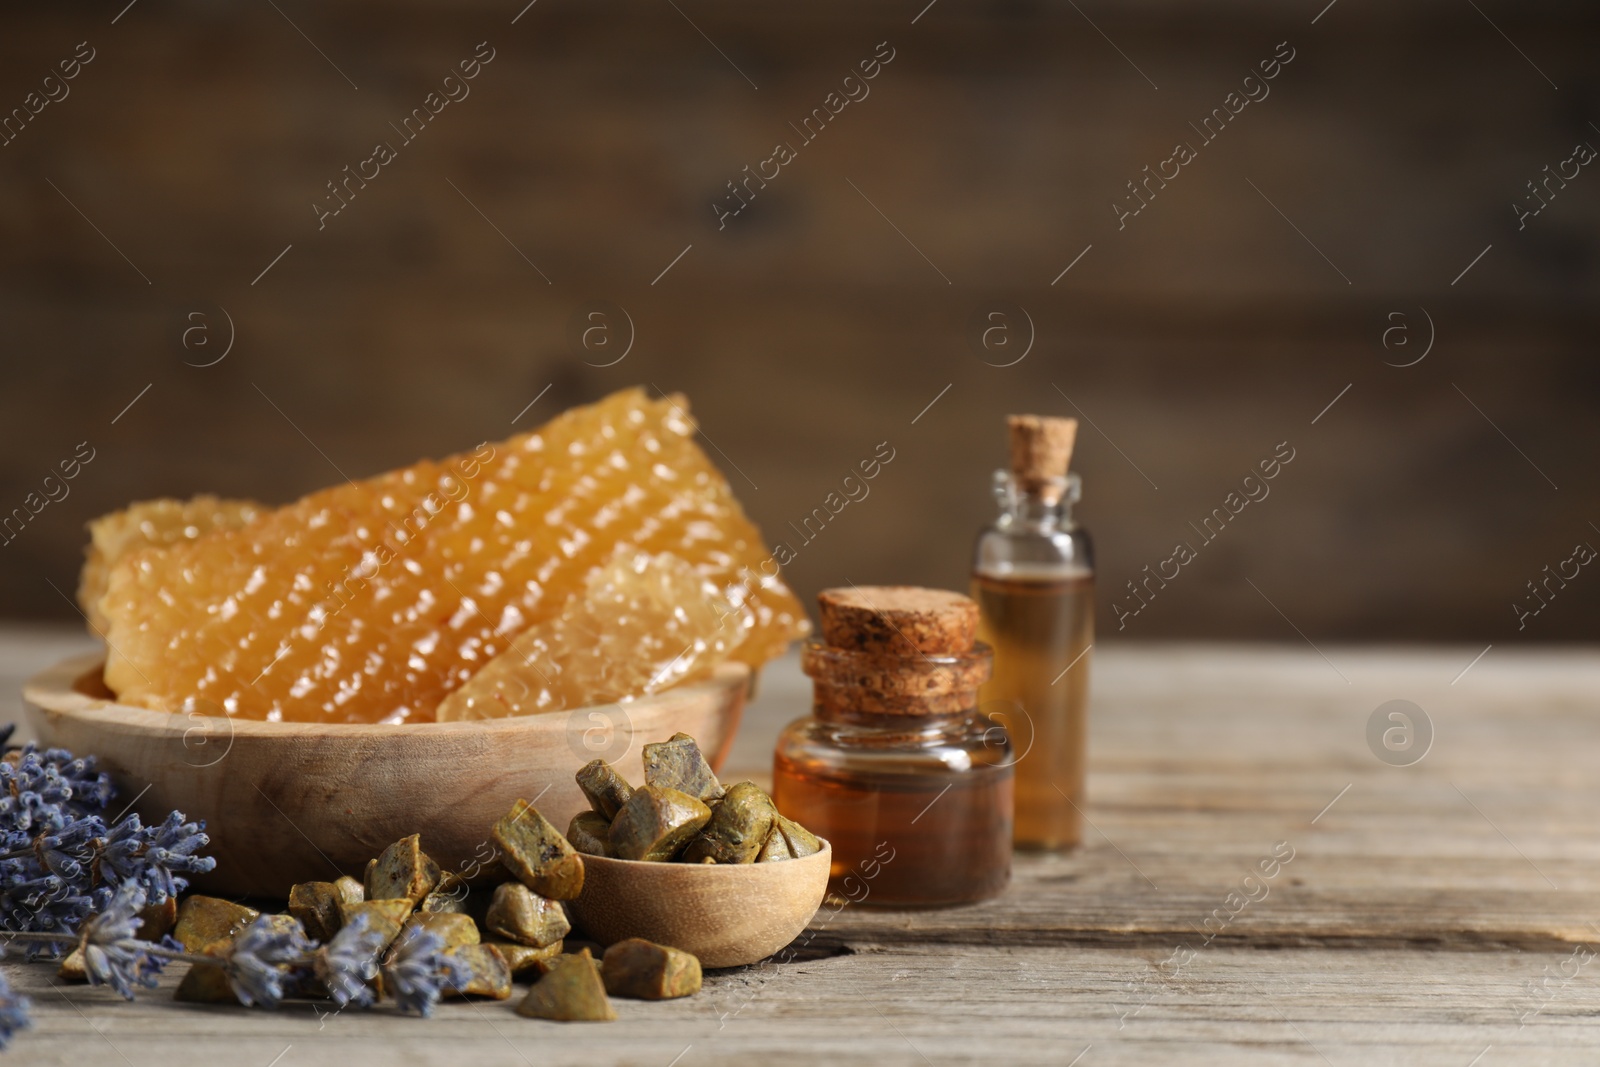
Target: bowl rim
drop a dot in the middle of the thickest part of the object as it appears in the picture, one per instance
(54, 691)
(614, 861)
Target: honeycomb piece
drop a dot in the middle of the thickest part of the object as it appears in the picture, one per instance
(147, 524)
(372, 601)
(642, 624)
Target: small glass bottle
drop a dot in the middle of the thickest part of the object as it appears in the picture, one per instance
(1033, 578)
(896, 767)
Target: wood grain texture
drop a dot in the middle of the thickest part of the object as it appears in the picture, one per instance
(1414, 925)
(298, 802)
(728, 915)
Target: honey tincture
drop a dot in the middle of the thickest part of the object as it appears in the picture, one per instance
(1033, 579)
(896, 766)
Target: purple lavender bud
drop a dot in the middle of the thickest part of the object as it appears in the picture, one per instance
(14, 1008)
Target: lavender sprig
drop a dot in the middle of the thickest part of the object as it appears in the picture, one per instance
(60, 863)
(14, 1012)
(258, 962)
(155, 857)
(47, 786)
(172, 851)
(67, 877)
(114, 955)
(349, 961)
(418, 971)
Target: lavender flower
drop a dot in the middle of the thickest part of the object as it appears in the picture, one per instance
(14, 1008)
(418, 971)
(154, 857)
(90, 791)
(68, 852)
(66, 876)
(349, 960)
(171, 854)
(258, 961)
(112, 954)
(41, 790)
(59, 862)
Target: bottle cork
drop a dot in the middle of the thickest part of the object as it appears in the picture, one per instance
(1041, 452)
(898, 620)
(896, 650)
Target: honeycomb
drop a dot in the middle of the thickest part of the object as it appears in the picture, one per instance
(642, 624)
(150, 522)
(374, 600)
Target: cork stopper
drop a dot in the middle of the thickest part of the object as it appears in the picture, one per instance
(898, 620)
(1041, 452)
(896, 650)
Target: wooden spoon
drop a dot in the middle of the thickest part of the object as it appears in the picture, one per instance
(728, 915)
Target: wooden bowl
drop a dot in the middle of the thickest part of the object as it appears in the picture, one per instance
(295, 802)
(726, 914)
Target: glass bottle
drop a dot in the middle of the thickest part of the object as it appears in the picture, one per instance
(1033, 578)
(897, 767)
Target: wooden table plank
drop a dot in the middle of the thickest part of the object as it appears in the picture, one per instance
(1426, 916)
(913, 1005)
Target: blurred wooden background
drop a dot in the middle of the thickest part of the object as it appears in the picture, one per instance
(1221, 321)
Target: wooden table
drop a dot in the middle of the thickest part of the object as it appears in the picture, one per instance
(1446, 912)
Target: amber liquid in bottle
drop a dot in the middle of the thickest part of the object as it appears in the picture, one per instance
(903, 839)
(896, 765)
(1041, 629)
